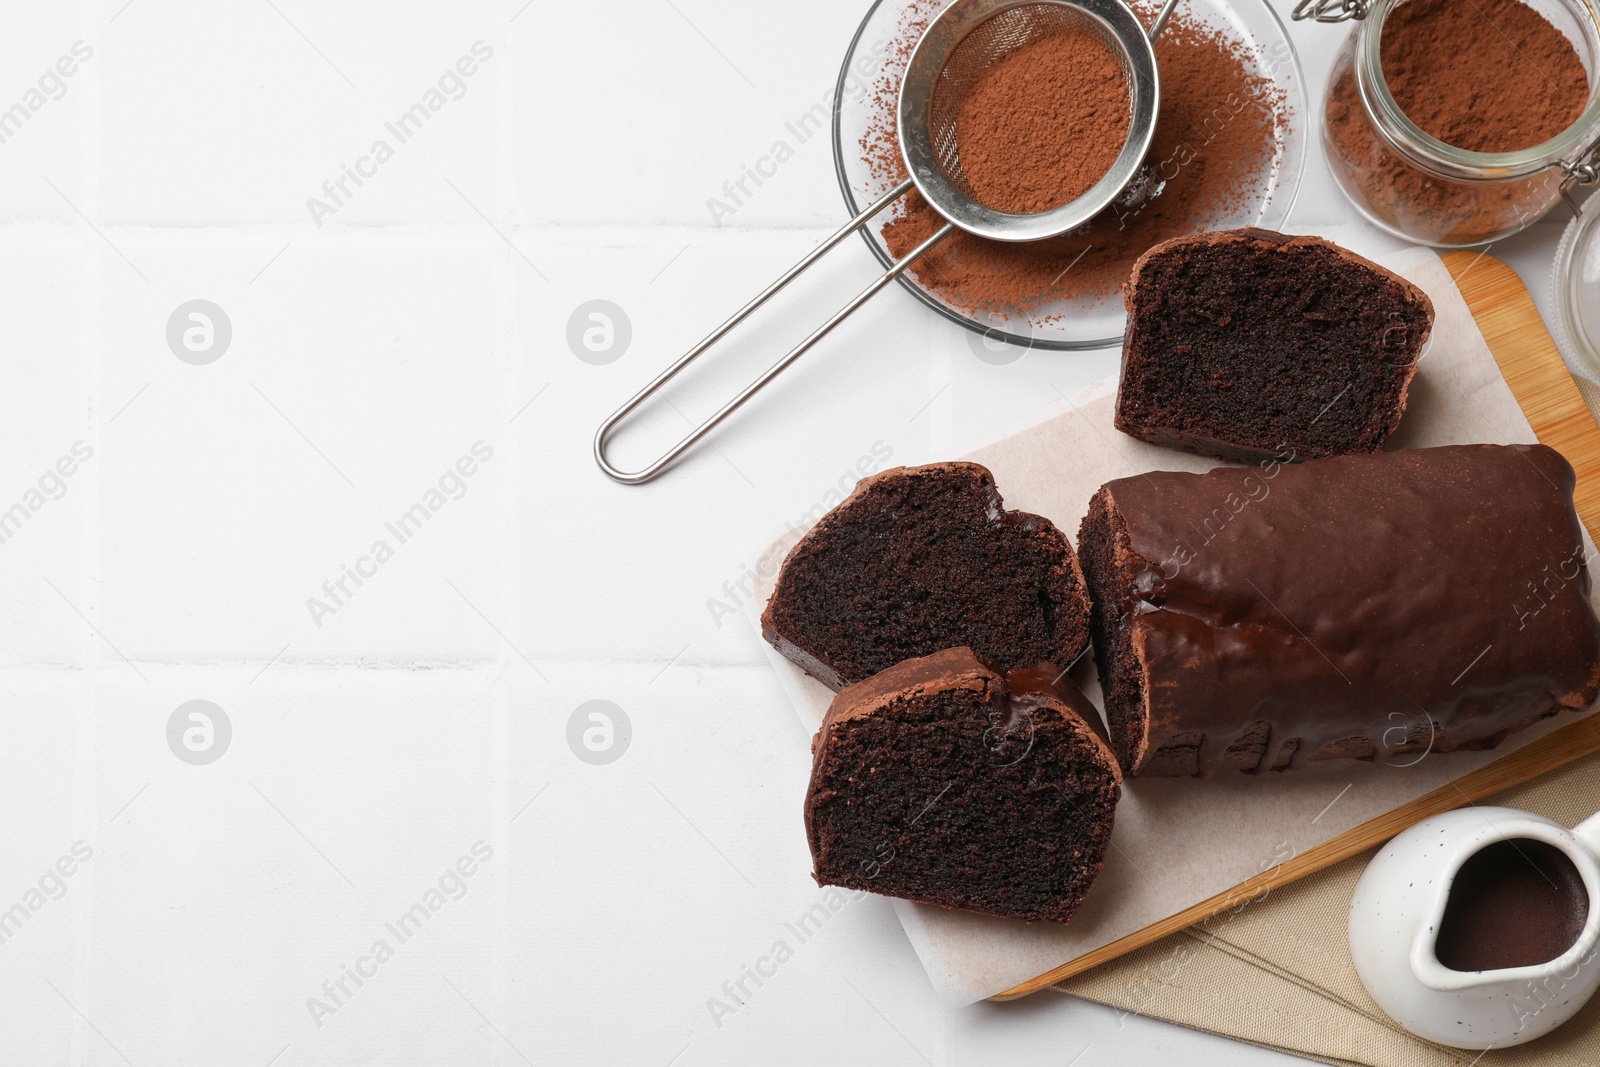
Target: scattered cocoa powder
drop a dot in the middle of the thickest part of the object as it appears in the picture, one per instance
(1489, 76)
(1215, 141)
(1045, 122)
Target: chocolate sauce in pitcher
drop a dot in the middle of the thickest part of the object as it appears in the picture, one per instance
(1515, 903)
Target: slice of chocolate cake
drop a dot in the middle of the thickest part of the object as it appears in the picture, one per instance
(1250, 344)
(920, 559)
(944, 781)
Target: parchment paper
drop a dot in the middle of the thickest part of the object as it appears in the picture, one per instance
(1178, 841)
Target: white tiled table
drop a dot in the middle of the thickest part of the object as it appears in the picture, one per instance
(377, 741)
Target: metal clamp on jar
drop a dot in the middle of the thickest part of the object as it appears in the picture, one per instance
(1422, 189)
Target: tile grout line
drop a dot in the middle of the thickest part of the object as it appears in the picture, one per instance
(86, 784)
(510, 532)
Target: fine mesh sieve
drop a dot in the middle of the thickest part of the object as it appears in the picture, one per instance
(965, 39)
(968, 38)
(994, 38)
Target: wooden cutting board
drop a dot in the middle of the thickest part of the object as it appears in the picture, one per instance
(1516, 334)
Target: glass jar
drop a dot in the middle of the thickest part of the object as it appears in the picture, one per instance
(1575, 297)
(1416, 186)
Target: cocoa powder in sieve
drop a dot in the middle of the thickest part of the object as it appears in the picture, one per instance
(1045, 122)
(1489, 76)
(1215, 141)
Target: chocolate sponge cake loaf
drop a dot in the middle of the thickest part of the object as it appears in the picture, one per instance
(944, 781)
(1402, 602)
(1250, 344)
(920, 559)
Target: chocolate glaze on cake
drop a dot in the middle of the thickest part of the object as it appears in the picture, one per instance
(1249, 344)
(919, 559)
(944, 781)
(1263, 617)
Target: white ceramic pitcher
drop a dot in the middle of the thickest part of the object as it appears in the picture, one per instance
(1395, 918)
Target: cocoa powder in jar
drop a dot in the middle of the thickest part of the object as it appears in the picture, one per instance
(1489, 76)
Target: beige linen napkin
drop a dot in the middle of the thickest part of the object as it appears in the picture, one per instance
(1590, 392)
(1277, 973)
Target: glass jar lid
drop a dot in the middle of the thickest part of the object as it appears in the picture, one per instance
(1575, 292)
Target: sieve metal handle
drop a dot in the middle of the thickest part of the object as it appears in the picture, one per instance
(603, 435)
(1161, 18)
